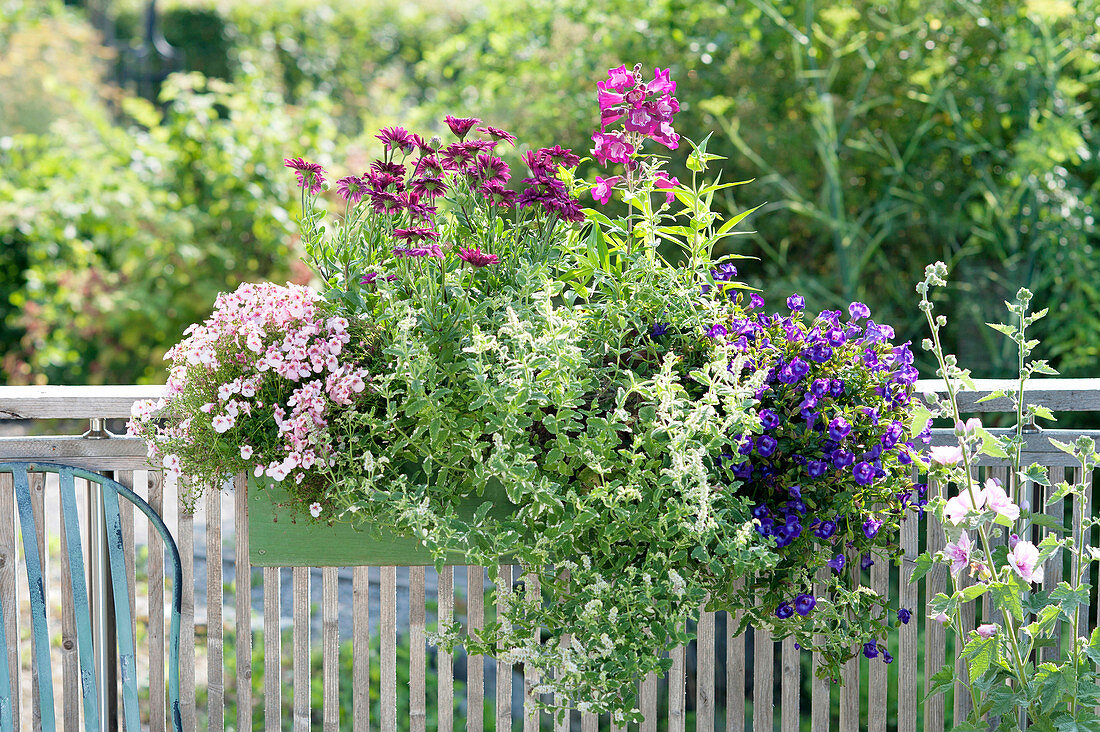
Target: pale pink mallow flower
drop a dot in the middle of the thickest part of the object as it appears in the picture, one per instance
(959, 506)
(946, 454)
(315, 509)
(986, 630)
(941, 618)
(1024, 558)
(996, 499)
(968, 429)
(959, 553)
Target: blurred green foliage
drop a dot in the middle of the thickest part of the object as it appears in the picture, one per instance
(882, 135)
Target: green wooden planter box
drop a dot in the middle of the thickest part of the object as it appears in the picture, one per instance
(283, 535)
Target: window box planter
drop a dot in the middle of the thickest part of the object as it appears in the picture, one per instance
(282, 535)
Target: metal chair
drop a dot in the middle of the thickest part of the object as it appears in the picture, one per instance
(111, 490)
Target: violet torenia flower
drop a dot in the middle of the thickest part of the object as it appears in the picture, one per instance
(1024, 559)
(768, 419)
(659, 329)
(837, 563)
(717, 331)
(904, 616)
(804, 603)
(858, 310)
(817, 468)
(825, 529)
(766, 445)
(839, 428)
(725, 272)
(864, 473)
(871, 527)
(796, 302)
(886, 657)
(870, 649)
(866, 562)
(477, 258)
(602, 190)
(784, 611)
(755, 301)
(461, 126)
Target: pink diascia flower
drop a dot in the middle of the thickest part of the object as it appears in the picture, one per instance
(959, 553)
(315, 509)
(477, 258)
(1024, 559)
(246, 452)
(958, 507)
(996, 499)
(602, 190)
(946, 454)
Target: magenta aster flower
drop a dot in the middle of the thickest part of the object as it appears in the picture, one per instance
(477, 258)
(429, 185)
(559, 155)
(602, 191)
(415, 234)
(499, 134)
(385, 202)
(394, 138)
(461, 126)
(311, 176)
(456, 156)
(380, 182)
(352, 188)
(498, 195)
(397, 170)
(492, 169)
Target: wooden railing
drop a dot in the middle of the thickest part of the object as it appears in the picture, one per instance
(235, 660)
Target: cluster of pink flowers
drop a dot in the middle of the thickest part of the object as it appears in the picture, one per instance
(646, 110)
(267, 353)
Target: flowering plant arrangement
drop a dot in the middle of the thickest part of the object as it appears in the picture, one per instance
(998, 548)
(662, 442)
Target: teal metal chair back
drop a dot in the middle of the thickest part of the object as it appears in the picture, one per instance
(111, 490)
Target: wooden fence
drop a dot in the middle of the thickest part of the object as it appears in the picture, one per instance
(252, 662)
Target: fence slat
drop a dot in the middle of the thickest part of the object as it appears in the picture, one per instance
(242, 596)
(907, 636)
(879, 671)
(360, 648)
(38, 510)
(820, 689)
(647, 696)
(388, 605)
(849, 691)
(562, 722)
(792, 686)
(504, 670)
(215, 681)
(301, 670)
(475, 666)
(763, 674)
(186, 541)
(157, 704)
(1052, 570)
(418, 710)
(445, 690)
(704, 675)
(935, 636)
(330, 652)
(677, 689)
(8, 565)
(126, 518)
(1082, 506)
(735, 673)
(273, 651)
(530, 675)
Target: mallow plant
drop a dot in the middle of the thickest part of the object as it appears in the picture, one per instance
(999, 546)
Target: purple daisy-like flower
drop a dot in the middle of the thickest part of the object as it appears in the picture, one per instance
(396, 138)
(352, 188)
(796, 302)
(864, 473)
(837, 563)
(492, 169)
(415, 234)
(904, 616)
(428, 186)
(804, 603)
(311, 176)
(871, 527)
(498, 134)
(461, 126)
(477, 258)
(784, 610)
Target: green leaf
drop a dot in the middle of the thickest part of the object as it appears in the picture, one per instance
(1043, 413)
(1037, 474)
(1007, 330)
(983, 653)
(1092, 650)
(924, 564)
(990, 445)
(997, 394)
(1070, 598)
(919, 416)
(941, 682)
(974, 591)
(1066, 447)
(1006, 595)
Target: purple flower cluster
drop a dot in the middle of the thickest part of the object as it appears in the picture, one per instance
(829, 470)
(544, 188)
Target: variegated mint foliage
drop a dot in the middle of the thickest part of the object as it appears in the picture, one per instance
(1000, 548)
